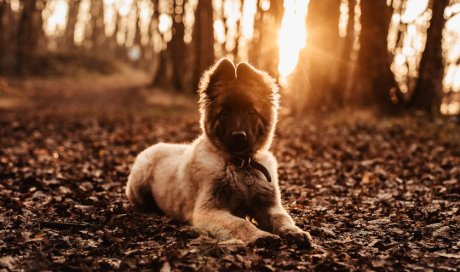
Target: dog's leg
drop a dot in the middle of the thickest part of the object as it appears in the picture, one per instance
(223, 225)
(278, 220)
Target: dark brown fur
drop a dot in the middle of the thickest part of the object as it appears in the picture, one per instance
(198, 183)
(242, 101)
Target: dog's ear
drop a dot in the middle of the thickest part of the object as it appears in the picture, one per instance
(223, 70)
(245, 71)
(264, 83)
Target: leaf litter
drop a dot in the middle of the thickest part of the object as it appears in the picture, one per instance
(376, 194)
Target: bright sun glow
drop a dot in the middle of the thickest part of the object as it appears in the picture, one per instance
(56, 14)
(292, 36)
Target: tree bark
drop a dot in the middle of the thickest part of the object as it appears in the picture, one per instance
(374, 78)
(119, 50)
(428, 90)
(170, 74)
(256, 43)
(26, 39)
(8, 39)
(265, 40)
(3, 7)
(323, 45)
(315, 73)
(74, 7)
(178, 53)
(345, 67)
(203, 40)
(138, 34)
(98, 37)
(236, 49)
(170, 71)
(275, 12)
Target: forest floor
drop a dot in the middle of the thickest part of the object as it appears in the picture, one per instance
(375, 193)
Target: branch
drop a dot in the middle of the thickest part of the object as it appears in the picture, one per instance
(453, 15)
(64, 225)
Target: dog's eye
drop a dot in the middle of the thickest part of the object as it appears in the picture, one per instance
(251, 111)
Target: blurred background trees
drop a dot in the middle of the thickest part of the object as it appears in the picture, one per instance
(326, 54)
(428, 89)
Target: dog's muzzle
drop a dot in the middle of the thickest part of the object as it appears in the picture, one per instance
(239, 142)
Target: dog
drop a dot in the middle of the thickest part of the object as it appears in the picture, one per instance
(227, 175)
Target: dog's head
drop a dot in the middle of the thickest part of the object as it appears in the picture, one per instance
(238, 107)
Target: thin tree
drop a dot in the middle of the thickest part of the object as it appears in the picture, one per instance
(323, 45)
(98, 38)
(74, 7)
(345, 66)
(26, 39)
(203, 40)
(138, 34)
(258, 36)
(374, 79)
(178, 48)
(8, 38)
(264, 43)
(3, 7)
(318, 61)
(428, 90)
(236, 48)
(275, 13)
(119, 51)
(171, 64)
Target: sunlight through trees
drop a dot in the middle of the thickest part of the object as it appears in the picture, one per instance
(325, 54)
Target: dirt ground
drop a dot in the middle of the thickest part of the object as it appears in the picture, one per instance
(375, 193)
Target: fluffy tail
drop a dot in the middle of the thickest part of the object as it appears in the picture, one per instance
(138, 189)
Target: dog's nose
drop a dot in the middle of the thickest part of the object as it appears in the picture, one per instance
(239, 135)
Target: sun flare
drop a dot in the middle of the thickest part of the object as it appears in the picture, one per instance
(292, 36)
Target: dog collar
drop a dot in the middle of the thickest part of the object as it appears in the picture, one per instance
(247, 164)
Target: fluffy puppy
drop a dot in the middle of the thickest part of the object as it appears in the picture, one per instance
(227, 174)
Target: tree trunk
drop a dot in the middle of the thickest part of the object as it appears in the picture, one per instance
(119, 51)
(428, 90)
(178, 53)
(374, 78)
(38, 31)
(275, 13)
(315, 73)
(98, 37)
(323, 47)
(345, 67)
(170, 74)
(203, 40)
(74, 7)
(265, 39)
(164, 77)
(138, 34)
(26, 42)
(8, 39)
(236, 49)
(256, 43)
(171, 67)
(3, 7)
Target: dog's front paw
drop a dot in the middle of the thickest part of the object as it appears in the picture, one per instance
(265, 240)
(294, 235)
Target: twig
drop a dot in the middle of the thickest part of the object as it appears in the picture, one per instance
(64, 225)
